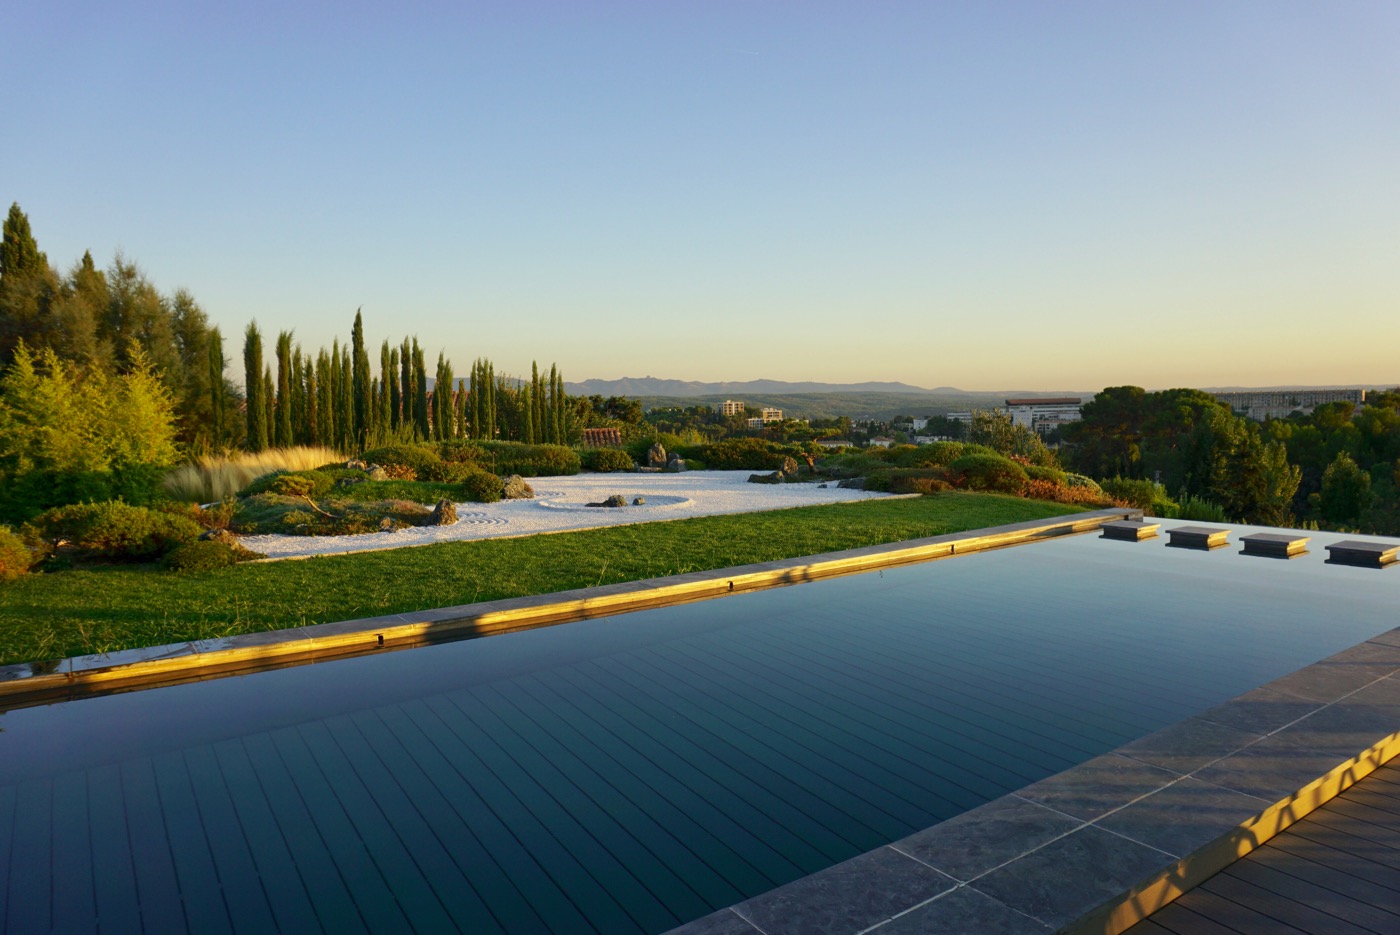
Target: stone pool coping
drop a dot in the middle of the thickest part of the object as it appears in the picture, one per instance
(1102, 845)
(37, 683)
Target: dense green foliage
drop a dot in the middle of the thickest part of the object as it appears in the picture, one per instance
(112, 531)
(48, 616)
(606, 460)
(67, 436)
(15, 557)
(206, 556)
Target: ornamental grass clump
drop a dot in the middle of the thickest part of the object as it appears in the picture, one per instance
(211, 479)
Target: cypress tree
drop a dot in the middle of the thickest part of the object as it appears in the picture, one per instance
(383, 395)
(283, 433)
(337, 416)
(218, 392)
(406, 393)
(363, 403)
(300, 368)
(391, 376)
(420, 393)
(252, 372)
(269, 391)
(325, 402)
(313, 403)
(345, 405)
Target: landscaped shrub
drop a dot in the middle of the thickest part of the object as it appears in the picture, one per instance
(399, 471)
(417, 457)
(114, 531)
(1038, 489)
(1050, 474)
(207, 555)
(854, 464)
(530, 460)
(311, 484)
(695, 464)
(1146, 495)
(15, 557)
(460, 451)
(447, 472)
(988, 472)
(1196, 508)
(482, 487)
(605, 460)
(908, 480)
(1082, 480)
(744, 454)
(337, 473)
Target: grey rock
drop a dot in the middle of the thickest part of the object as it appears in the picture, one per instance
(852, 483)
(219, 535)
(638, 501)
(656, 456)
(444, 514)
(386, 525)
(675, 464)
(788, 468)
(775, 478)
(376, 472)
(357, 465)
(616, 500)
(516, 489)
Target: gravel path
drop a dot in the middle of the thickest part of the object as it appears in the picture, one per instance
(559, 505)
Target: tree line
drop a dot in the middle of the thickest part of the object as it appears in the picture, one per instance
(335, 398)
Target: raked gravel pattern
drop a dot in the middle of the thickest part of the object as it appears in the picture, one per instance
(558, 505)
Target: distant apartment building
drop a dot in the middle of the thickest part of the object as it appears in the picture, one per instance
(1044, 414)
(1276, 404)
(730, 408)
(769, 414)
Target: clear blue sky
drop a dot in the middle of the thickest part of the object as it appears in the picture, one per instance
(988, 195)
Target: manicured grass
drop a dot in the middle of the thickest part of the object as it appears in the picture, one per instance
(78, 612)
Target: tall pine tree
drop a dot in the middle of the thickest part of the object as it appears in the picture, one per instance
(363, 392)
(218, 393)
(283, 408)
(420, 393)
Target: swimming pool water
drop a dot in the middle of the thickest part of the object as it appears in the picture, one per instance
(628, 774)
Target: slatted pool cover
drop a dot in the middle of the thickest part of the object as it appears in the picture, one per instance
(629, 774)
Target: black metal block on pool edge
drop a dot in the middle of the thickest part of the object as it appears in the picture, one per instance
(1198, 537)
(1362, 554)
(1129, 530)
(1274, 545)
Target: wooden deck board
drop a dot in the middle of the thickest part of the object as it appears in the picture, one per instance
(1336, 871)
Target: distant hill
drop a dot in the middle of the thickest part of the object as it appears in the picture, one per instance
(655, 386)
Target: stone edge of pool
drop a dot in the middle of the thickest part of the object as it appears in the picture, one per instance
(40, 682)
(1103, 845)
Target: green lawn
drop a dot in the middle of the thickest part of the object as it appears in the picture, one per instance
(78, 612)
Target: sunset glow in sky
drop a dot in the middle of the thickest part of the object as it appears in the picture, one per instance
(995, 195)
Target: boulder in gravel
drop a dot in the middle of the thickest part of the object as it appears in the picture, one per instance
(616, 500)
(656, 456)
(853, 483)
(444, 514)
(675, 464)
(638, 501)
(775, 478)
(788, 467)
(515, 488)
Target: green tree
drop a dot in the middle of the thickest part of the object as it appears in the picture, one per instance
(363, 393)
(283, 407)
(420, 394)
(253, 389)
(385, 393)
(391, 377)
(1346, 492)
(27, 287)
(218, 390)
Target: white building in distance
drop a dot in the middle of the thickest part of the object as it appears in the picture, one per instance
(1044, 414)
(1276, 404)
(730, 408)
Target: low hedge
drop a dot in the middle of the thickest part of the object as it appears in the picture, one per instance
(606, 460)
(990, 472)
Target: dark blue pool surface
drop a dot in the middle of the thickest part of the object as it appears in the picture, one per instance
(631, 773)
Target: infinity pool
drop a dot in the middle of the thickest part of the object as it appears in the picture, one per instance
(631, 773)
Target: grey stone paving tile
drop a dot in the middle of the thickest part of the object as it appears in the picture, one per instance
(1188, 745)
(985, 837)
(962, 911)
(1102, 784)
(846, 898)
(1328, 681)
(1348, 728)
(724, 922)
(1389, 638)
(1369, 653)
(1184, 816)
(1068, 877)
(1273, 768)
(1260, 711)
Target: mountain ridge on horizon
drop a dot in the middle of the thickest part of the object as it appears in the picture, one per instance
(658, 386)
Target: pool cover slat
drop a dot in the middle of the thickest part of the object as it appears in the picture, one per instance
(156, 885)
(74, 907)
(33, 845)
(205, 907)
